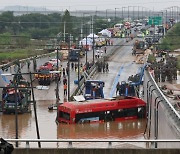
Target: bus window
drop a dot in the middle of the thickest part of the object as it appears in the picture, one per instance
(141, 112)
(120, 113)
(131, 112)
(64, 115)
(89, 116)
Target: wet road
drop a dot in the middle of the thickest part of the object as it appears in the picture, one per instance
(46, 119)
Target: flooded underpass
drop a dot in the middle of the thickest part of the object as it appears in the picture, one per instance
(49, 129)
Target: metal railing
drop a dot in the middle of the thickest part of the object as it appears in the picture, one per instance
(108, 141)
(153, 91)
(166, 100)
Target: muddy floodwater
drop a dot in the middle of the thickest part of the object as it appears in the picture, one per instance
(130, 129)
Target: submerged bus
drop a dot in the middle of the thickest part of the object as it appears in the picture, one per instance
(101, 110)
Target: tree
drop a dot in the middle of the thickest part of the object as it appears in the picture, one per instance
(5, 39)
(67, 20)
(23, 40)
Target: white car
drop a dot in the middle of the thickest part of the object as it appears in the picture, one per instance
(139, 24)
(54, 62)
(140, 35)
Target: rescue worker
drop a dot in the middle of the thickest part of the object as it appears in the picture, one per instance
(72, 65)
(67, 70)
(107, 67)
(94, 92)
(64, 74)
(64, 81)
(117, 88)
(105, 49)
(65, 89)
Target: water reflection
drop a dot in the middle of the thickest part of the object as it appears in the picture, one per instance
(113, 129)
(130, 129)
(7, 126)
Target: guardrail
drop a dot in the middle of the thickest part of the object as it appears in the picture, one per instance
(108, 141)
(174, 112)
(154, 98)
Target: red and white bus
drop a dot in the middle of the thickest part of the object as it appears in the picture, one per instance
(101, 110)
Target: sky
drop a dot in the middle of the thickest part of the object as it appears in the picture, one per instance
(73, 5)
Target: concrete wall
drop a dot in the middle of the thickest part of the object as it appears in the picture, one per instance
(96, 151)
(168, 125)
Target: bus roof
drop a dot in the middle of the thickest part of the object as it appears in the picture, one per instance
(124, 102)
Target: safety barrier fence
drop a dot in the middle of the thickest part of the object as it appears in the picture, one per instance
(72, 141)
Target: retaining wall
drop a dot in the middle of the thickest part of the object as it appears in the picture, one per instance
(163, 122)
(96, 151)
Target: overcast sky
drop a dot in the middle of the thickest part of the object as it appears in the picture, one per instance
(92, 4)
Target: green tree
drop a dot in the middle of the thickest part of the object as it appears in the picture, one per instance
(67, 22)
(23, 40)
(6, 19)
(172, 39)
(5, 39)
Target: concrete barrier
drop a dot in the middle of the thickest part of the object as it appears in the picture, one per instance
(95, 151)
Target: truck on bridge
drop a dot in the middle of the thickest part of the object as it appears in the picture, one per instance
(139, 47)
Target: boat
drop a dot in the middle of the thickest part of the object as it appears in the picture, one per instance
(101, 110)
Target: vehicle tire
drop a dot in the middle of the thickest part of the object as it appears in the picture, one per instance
(40, 82)
(48, 82)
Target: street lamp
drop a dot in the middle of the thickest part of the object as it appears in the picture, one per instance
(123, 13)
(138, 12)
(128, 13)
(107, 13)
(115, 15)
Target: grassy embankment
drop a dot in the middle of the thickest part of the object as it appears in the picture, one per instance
(18, 54)
(9, 54)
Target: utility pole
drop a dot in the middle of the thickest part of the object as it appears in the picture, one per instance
(93, 36)
(35, 113)
(86, 46)
(115, 15)
(64, 30)
(16, 112)
(138, 12)
(68, 65)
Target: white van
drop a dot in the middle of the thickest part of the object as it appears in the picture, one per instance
(120, 26)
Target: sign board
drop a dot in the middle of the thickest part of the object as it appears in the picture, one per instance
(155, 20)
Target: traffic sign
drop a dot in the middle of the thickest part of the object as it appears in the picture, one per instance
(156, 20)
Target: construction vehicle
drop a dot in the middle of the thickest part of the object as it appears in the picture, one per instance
(20, 96)
(74, 54)
(44, 75)
(126, 89)
(94, 89)
(141, 59)
(139, 47)
(137, 79)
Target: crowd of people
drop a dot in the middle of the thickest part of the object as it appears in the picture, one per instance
(102, 66)
(165, 69)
